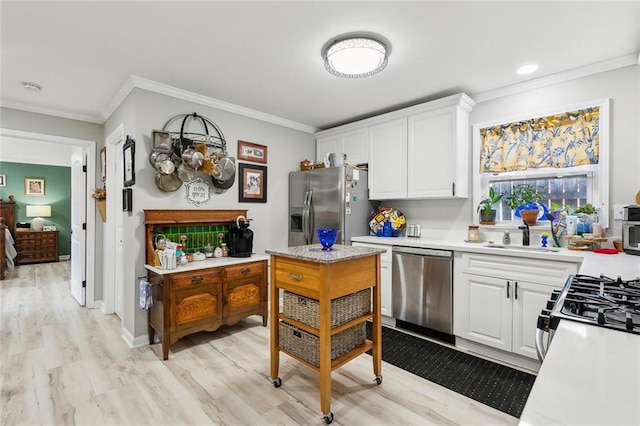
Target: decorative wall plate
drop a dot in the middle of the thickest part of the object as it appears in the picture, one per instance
(388, 214)
(198, 191)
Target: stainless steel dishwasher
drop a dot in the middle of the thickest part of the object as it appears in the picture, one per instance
(422, 288)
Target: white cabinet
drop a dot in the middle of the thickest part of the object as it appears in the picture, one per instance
(385, 277)
(422, 154)
(326, 145)
(438, 153)
(388, 160)
(419, 152)
(352, 142)
(497, 299)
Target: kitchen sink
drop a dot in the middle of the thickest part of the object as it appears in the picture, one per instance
(523, 248)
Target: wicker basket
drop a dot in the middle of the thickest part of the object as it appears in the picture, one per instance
(307, 346)
(312, 166)
(343, 309)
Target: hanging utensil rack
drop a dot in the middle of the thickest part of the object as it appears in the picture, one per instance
(215, 142)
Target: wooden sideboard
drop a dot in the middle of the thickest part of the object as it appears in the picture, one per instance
(36, 246)
(203, 295)
(204, 299)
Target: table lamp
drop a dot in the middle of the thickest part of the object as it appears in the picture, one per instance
(37, 213)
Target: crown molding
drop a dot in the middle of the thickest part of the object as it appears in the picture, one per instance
(118, 98)
(174, 92)
(56, 112)
(549, 80)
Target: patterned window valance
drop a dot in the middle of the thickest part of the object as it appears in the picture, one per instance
(563, 140)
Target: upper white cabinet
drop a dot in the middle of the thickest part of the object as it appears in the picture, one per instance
(438, 153)
(352, 142)
(387, 160)
(418, 152)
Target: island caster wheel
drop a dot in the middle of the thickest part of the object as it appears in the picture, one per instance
(328, 418)
(277, 382)
(378, 380)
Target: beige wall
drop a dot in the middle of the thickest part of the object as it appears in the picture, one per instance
(145, 111)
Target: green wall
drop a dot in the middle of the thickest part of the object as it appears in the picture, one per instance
(57, 193)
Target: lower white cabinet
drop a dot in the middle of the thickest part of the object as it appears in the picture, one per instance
(385, 276)
(497, 299)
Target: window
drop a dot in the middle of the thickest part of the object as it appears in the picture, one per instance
(571, 186)
(570, 190)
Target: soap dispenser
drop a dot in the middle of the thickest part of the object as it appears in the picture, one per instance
(506, 238)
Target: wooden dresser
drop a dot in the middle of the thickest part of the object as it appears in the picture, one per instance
(36, 246)
(203, 295)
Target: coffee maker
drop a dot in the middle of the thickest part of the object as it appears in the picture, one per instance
(240, 238)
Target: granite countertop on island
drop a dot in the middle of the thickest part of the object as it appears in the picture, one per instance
(315, 253)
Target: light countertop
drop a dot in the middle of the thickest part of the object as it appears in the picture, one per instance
(208, 263)
(315, 253)
(590, 376)
(612, 265)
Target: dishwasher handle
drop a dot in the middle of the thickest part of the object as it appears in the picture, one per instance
(422, 251)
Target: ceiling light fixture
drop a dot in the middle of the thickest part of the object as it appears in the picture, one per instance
(527, 69)
(32, 87)
(355, 56)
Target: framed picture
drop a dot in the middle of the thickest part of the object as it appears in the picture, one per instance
(33, 186)
(253, 184)
(3, 180)
(252, 152)
(128, 155)
(103, 163)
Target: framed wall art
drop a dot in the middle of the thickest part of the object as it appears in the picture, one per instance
(253, 184)
(252, 152)
(3, 180)
(33, 186)
(128, 155)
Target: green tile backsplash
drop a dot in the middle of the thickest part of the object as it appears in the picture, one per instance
(197, 236)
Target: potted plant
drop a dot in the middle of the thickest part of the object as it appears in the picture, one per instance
(486, 210)
(524, 199)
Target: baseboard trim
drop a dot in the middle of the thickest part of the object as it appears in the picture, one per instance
(520, 362)
(134, 342)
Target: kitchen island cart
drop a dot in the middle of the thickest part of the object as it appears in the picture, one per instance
(326, 283)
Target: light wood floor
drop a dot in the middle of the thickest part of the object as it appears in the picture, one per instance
(64, 364)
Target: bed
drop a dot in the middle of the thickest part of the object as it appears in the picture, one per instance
(7, 235)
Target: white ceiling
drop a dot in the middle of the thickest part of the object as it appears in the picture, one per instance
(266, 56)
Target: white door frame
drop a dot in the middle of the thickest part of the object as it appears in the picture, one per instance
(113, 250)
(89, 149)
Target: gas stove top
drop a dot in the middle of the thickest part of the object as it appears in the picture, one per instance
(601, 301)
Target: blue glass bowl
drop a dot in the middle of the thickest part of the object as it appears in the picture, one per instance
(327, 237)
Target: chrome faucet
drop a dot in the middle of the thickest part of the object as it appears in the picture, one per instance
(525, 233)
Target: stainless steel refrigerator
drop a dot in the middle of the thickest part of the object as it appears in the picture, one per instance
(333, 197)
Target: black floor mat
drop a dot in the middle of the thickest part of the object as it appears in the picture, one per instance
(503, 388)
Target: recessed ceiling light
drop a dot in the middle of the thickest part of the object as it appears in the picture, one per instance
(527, 69)
(355, 56)
(32, 87)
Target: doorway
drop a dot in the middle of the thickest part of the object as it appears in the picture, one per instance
(81, 152)
(113, 248)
